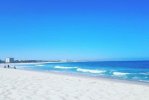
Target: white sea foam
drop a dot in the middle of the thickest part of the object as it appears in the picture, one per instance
(147, 73)
(63, 67)
(22, 66)
(144, 81)
(39, 65)
(90, 70)
(120, 74)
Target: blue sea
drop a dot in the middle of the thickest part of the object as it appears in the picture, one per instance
(124, 70)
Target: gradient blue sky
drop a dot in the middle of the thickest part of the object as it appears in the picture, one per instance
(74, 29)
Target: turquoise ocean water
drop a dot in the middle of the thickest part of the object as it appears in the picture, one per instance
(126, 70)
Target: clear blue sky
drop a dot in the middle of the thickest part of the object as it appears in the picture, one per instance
(74, 29)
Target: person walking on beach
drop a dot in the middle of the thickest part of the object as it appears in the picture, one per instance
(8, 66)
(15, 67)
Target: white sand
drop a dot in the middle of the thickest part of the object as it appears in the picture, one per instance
(27, 85)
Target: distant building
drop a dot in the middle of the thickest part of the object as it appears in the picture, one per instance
(9, 60)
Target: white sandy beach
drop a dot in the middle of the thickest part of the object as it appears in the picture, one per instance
(28, 85)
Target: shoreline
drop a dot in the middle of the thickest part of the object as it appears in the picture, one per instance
(76, 74)
(91, 77)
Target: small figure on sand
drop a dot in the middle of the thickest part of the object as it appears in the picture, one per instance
(8, 66)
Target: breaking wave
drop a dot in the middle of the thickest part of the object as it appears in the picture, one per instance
(120, 74)
(90, 71)
(63, 67)
(147, 73)
(40, 65)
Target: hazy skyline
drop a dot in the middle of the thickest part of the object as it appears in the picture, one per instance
(78, 29)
